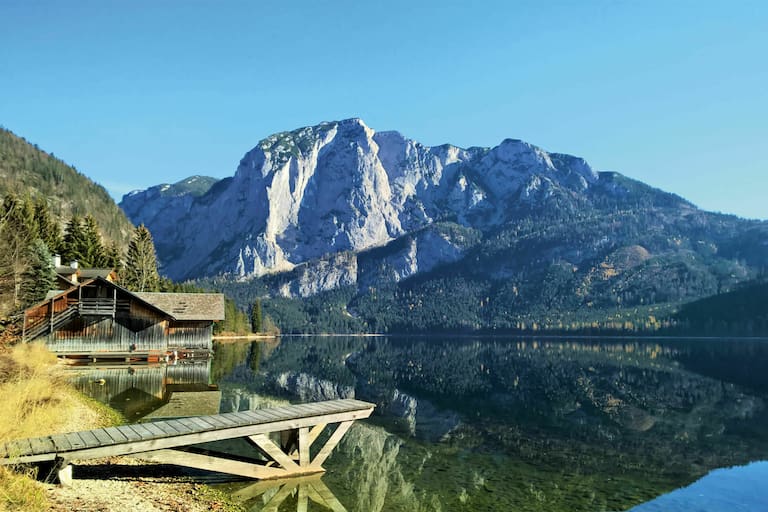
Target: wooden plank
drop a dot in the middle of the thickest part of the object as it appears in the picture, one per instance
(219, 420)
(102, 436)
(116, 435)
(42, 445)
(128, 432)
(75, 440)
(194, 425)
(142, 431)
(165, 427)
(156, 431)
(272, 450)
(202, 423)
(61, 443)
(325, 451)
(179, 426)
(258, 416)
(210, 463)
(89, 439)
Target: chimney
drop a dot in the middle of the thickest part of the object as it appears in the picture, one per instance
(74, 264)
(56, 261)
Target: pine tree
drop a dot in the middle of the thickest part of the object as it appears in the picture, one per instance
(112, 257)
(95, 255)
(140, 272)
(256, 323)
(75, 247)
(48, 229)
(39, 276)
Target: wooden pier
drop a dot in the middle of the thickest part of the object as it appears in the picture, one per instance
(190, 441)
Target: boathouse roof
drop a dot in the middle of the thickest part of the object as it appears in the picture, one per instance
(187, 306)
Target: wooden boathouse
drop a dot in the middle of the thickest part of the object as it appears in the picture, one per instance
(97, 316)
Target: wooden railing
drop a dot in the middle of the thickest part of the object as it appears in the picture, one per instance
(44, 325)
(98, 306)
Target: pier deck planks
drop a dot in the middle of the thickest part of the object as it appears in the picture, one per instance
(174, 433)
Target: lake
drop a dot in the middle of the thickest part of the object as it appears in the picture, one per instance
(481, 423)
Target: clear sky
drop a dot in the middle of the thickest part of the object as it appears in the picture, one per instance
(674, 93)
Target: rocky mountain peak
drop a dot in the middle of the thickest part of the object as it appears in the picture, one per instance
(341, 186)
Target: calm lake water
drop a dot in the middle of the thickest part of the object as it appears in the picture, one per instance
(495, 423)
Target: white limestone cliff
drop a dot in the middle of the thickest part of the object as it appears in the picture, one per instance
(340, 186)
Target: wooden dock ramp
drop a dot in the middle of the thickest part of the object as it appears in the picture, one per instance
(281, 441)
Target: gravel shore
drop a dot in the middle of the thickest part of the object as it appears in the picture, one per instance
(122, 484)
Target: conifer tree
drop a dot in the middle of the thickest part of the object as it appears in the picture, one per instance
(95, 255)
(112, 257)
(48, 229)
(75, 247)
(38, 278)
(140, 272)
(256, 323)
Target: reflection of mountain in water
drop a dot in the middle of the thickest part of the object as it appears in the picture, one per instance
(139, 390)
(520, 424)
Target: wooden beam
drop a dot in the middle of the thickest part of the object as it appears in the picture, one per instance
(274, 452)
(211, 463)
(316, 431)
(304, 446)
(325, 451)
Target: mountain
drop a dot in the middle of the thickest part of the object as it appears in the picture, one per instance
(26, 169)
(379, 232)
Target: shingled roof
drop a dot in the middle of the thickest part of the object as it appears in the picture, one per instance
(187, 306)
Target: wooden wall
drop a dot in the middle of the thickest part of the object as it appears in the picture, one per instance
(190, 334)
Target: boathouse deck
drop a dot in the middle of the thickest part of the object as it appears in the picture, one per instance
(177, 441)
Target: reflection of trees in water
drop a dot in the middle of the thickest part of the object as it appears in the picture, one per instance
(529, 421)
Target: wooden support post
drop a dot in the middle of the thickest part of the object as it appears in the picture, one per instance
(304, 445)
(63, 470)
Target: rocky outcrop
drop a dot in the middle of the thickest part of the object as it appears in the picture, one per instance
(302, 195)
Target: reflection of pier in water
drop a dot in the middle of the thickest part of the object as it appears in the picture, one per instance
(150, 391)
(273, 495)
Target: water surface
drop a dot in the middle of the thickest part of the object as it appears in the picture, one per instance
(511, 424)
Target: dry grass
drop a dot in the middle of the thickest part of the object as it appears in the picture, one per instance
(36, 401)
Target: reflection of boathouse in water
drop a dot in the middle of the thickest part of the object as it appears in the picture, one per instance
(97, 316)
(150, 391)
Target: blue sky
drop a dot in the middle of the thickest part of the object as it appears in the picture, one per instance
(139, 93)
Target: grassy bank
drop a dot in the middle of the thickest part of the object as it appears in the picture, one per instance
(36, 401)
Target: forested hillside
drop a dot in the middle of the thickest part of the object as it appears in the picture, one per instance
(26, 169)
